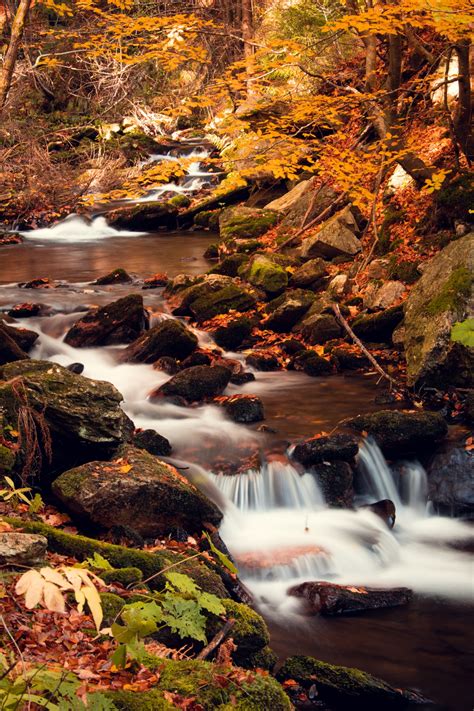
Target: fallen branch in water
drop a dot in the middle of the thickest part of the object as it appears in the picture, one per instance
(216, 640)
(364, 350)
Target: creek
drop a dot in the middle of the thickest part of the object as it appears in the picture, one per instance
(273, 514)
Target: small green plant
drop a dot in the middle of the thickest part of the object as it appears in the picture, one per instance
(11, 493)
(463, 332)
(181, 607)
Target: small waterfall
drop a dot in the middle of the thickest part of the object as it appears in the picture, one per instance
(275, 485)
(76, 228)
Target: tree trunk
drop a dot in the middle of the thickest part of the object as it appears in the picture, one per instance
(463, 118)
(6, 71)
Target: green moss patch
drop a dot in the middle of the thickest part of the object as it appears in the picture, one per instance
(456, 289)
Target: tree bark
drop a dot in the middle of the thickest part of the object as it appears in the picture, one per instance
(7, 69)
(463, 119)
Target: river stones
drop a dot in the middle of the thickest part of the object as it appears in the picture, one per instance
(137, 491)
(121, 321)
(242, 408)
(263, 360)
(327, 448)
(311, 363)
(286, 310)
(14, 343)
(402, 433)
(195, 384)
(170, 338)
(331, 599)
(232, 334)
(245, 222)
(335, 480)
(80, 418)
(384, 509)
(310, 275)
(264, 272)
(116, 276)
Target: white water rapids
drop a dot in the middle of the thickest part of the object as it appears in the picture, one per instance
(276, 522)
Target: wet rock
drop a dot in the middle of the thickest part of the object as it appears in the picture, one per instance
(331, 599)
(10, 350)
(145, 216)
(208, 220)
(167, 365)
(155, 281)
(265, 273)
(9, 238)
(40, 283)
(76, 368)
(284, 311)
(336, 237)
(23, 549)
(199, 357)
(212, 252)
(186, 294)
(23, 337)
(121, 321)
(195, 384)
(402, 433)
(25, 310)
(326, 449)
(263, 360)
(346, 688)
(311, 363)
(243, 408)
(319, 328)
(230, 298)
(335, 479)
(117, 276)
(385, 296)
(232, 334)
(442, 297)
(181, 282)
(292, 346)
(242, 378)
(137, 491)
(378, 327)
(83, 417)
(451, 482)
(385, 509)
(170, 338)
(152, 442)
(245, 222)
(310, 275)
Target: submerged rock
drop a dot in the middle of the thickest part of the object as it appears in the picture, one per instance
(326, 449)
(121, 321)
(195, 384)
(331, 599)
(243, 408)
(346, 688)
(245, 222)
(442, 297)
(23, 549)
(83, 417)
(137, 491)
(169, 338)
(116, 276)
(401, 433)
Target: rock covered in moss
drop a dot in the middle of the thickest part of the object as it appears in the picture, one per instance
(208, 219)
(331, 599)
(378, 327)
(230, 265)
(121, 321)
(443, 296)
(265, 273)
(137, 491)
(402, 433)
(327, 448)
(310, 275)
(123, 576)
(144, 217)
(152, 442)
(169, 338)
(284, 311)
(195, 384)
(245, 222)
(231, 298)
(243, 408)
(83, 416)
(318, 329)
(343, 687)
(232, 334)
(116, 276)
(334, 238)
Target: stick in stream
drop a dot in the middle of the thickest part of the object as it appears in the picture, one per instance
(364, 350)
(216, 640)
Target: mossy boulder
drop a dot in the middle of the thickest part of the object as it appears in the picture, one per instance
(144, 216)
(230, 265)
(345, 688)
(137, 491)
(214, 688)
(200, 382)
(232, 334)
(179, 200)
(122, 321)
(208, 219)
(265, 273)
(378, 327)
(402, 433)
(116, 276)
(123, 576)
(250, 632)
(245, 222)
(152, 442)
(286, 310)
(327, 448)
(243, 408)
(311, 363)
(317, 329)
(169, 338)
(443, 296)
(150, 563)
(230, 298)
(82, 416)
(455, 201)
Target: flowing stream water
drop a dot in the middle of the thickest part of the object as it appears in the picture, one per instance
(276, 522)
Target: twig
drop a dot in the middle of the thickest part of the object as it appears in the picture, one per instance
(216, 640)
(364, 350)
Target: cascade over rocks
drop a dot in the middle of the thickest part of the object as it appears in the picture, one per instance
(401, 433)
(331, 599)
(82, 416)
(137, 491)
(443, 296)
(334, 238)
(121, 321)
(326, 449)
(145, 216)
(194, 384)
(170, 338)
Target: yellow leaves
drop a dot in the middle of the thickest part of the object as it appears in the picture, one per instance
(125, 468)
(47, 586)
(436, 181)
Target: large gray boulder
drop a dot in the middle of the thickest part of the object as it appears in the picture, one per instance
(442, 297)
(138, 491)
(334, 238)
